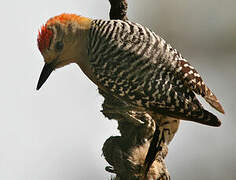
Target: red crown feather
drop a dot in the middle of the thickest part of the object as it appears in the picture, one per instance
(45, 35)
(44, 38)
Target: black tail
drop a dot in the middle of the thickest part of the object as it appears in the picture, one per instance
(154, 147)
(207, 118)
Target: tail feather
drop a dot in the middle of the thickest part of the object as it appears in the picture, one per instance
(207, 118)
(152, 151)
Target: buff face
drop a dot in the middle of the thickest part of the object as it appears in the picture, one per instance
(59, 42)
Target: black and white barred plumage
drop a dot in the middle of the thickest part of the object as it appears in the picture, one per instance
(138, 66)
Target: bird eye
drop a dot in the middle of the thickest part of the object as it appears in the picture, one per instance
(59, 46)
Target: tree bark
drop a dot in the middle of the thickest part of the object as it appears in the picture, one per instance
(126, 153)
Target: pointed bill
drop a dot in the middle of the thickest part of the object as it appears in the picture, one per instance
(47, 70)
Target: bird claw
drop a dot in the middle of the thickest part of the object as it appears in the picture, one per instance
(110, 169)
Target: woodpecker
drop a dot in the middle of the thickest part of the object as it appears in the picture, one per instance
(130, 62)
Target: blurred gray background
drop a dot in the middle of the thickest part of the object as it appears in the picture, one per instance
(58, 132)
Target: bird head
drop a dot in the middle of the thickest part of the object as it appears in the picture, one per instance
(62, 41)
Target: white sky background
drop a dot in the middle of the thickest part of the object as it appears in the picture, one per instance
(57, 133)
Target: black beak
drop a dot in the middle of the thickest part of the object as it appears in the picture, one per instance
(47, 69)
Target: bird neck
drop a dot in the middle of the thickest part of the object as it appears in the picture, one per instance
(82, 53)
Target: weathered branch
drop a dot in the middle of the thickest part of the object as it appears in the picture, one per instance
(126, 153)
(118, 9)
